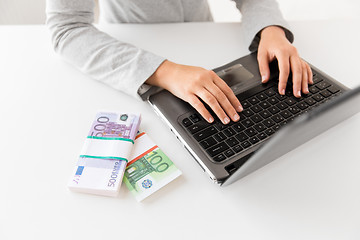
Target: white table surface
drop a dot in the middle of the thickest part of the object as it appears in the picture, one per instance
(47, 107)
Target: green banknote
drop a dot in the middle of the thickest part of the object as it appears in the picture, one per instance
(149, 170)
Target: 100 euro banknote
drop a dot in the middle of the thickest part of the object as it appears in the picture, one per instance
(105, 153)
(149, 170)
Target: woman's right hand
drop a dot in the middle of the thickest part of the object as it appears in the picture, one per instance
(194, 83)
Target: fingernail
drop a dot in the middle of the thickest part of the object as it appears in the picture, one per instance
(236, 117)
(226, 120)
(263, 78)
(239, 108)
(282, 92)
(299, 94)
(211, 119)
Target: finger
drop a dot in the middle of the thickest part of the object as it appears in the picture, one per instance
(223, 101)
(199, 106)
(310, 74)
(284, 69)
(264, 69)
(228, 92)
(296, 68)
(305, 78)
(210, 100)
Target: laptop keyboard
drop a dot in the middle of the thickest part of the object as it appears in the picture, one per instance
(265, 112)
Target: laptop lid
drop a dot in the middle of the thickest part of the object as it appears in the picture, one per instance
(301, 130)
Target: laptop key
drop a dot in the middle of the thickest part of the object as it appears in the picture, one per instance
(333, 89)
(241, 137)
(303, 105)
(295, 109)
(238, 127)
(186, 122)
(229, 153)
(219, 148)
(245, 104)
(261, 96)
(256, 108)
(220, 126)
(256, 118)
(248, 112)
(247, 123)
(281, 105)
(277, 118)
(270, 92)
(254, 140)
(237, 148)
(198, 126)
(195, 118)
(261, 136)
(265, 114)
(322, 85)
(250, 132)
(326, 93)
(313, 89)
(310, 101)
(274, 109)
(208, 142)
(268, 123)
(229, 132)
(220, 137)
(219, 158)
(264, 105)
(272, 100)
(231, 141)
(260, 127)
(290, 101)
(269, 131)
(253, 100)
(317, 79)
(205, 133)
(286, 114)
(245, 144)
(318, 97)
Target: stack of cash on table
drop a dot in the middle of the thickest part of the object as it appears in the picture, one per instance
(113, 147)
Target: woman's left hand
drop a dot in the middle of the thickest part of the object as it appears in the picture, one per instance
(274, 44)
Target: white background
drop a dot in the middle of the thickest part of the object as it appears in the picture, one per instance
(33, 11)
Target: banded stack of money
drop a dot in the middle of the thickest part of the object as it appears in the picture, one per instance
(149, 169)
(107, 148)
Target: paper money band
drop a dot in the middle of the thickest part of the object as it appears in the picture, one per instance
(107, 148)
(104, 138)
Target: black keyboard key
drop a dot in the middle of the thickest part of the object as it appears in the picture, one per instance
(238, 127)
(229, 153)
(261, 136)
(229, 132)
(281, 105)
(220, 126)
(277, 118)
(274, 109)
(208, 142)
(247, 112)
(186, 122)
(253, 140)
(241, 137)
(245, 104)
(250, 132)
(195, 118)
(317, 79)
(333, 89)
(268, 123)
(256, 108)
(281, 97)
(231, 141)
(269, 131)
(276, 128)
(253, 100)
(303, 105)
(219, 148)
(198, 126)
(219, 158)
(245, 144)
(322, 85)
(290, 101)
(272, 100)
(318, 97)
(247, 123)
(310, 101)
(260, 127)
(220, 137)
(295, 109)
(264, 105)
(286, 114)
(313, 89)
(262, 96)
(325, 93)
(256, 118)
(265, 114)
(237, 148)
(205, 133)
(270, 92)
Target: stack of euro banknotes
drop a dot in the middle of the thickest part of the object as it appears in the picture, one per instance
(115, 151)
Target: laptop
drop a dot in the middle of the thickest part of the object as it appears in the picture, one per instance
(270, 124)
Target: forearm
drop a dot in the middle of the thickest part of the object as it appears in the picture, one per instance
(118, 64)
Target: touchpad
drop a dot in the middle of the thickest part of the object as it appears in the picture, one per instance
(237, 78)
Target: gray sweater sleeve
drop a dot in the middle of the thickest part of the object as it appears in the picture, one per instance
(115, 63)
(258, 14)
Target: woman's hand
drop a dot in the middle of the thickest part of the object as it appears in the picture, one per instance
(274, 44)
(194, 83)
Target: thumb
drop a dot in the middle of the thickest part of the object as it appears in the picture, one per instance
(263, 66)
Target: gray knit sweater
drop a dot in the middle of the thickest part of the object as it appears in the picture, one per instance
(122, 65)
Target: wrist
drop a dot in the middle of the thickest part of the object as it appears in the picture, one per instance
(160, 76)
(272, 31)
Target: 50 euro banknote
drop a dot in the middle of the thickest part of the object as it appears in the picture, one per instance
(149, 169)
(105, 153)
